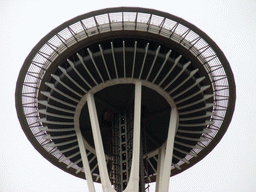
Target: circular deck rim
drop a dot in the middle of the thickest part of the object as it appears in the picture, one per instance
(205, 37)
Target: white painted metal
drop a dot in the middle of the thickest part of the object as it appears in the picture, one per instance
(207, 96)
(47, 94)
(184, 152)
(176, 77)
(55, 130)
(43, 111)
(177, 166)
(144, 59)
(181, 159)
(82, 150)
(160, 164)
(60, 144)
(87, 70)
(133, 185)
(65, 150)
(148, 84)
(113, 22)
(165, 169)
(114, 59)
(69, 157)
(104, 61)
(79, 170)
(124, 59)
(159, 71)
(44, 120)
(101, 159)
(208, 105)
(194, 132)
(208, 114)
(192, 73)
(192, 139)
(57, 78)
(165, 153)
(187, 145)
(59, 137)
(169, 72)
(184, 91)
(202, 89)
(197, 124)
(153, 63)
(151, 165)
(95, 65)
(77, 72)
(50, 85)
(134, 58)
(74, 163)
(64, 71)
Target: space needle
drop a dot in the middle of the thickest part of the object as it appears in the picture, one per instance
(125, 97)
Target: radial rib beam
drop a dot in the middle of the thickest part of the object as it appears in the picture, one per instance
(47, 94)
(184, 91)
(45, 128)
(196, 102)
(154, 61)
(69, 157)
(59, 137)
(43, 111)
(169, 72)
(194, 132)
(61, 144)
(60, 92)
(208, 114)
(192, 73)
(208, 105)
(87, 70)
(159, 71)
(202, 89)
(65, 150)
(177, 76)
(134, 58)
(91, 56)
(57, 78)
(144, 60)
(104, 61)
(64, 71)
(114, 59)
(77, 72)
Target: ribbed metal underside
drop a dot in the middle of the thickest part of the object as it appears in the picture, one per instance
(127, 58)
(105, 52)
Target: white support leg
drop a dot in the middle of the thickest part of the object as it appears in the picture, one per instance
(84, 157)
(133, 185)
(106, 184)
(165, 169)
(160, 164)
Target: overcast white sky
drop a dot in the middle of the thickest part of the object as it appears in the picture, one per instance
(230, 167)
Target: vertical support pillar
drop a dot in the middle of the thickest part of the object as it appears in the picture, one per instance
(133, 185)
(166, 158)
(82, 149)
(105, 181)
(160, 163)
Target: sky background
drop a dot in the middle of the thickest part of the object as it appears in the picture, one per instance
(230, 167)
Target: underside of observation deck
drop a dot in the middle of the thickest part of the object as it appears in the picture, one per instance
(105, 54)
